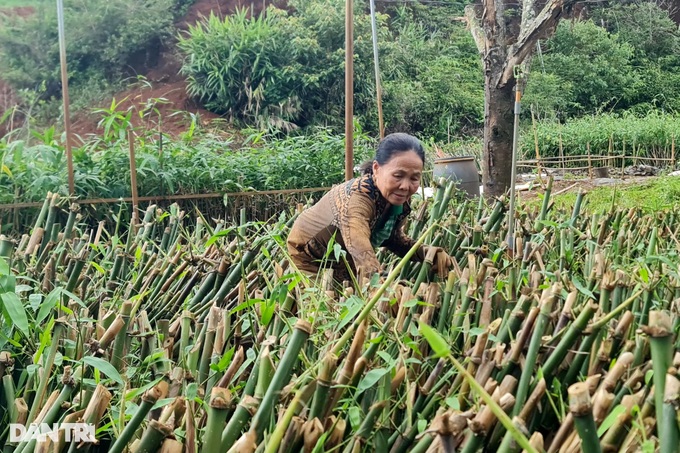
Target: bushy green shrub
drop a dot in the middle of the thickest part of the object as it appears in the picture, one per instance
(433, 80)
(594, 67)
(264, 162)
(104, 40)
(276, 69)
(655, 39)
(288, 69)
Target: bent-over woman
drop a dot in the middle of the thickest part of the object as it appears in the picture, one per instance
(365, 213)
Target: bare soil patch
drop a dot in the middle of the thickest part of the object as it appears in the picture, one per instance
(164, 88)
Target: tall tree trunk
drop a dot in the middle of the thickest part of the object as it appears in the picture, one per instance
(506, 33)
(498, 129)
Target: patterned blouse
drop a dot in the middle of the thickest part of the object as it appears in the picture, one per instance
(360, 218)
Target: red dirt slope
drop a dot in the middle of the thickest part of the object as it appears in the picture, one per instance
(163, 87)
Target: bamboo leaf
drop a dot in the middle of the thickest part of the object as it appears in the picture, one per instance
(610, 420)
(48, 304)
(16, 312)
(104, 367)
(582, 289)
(370, 379)
(436, 342)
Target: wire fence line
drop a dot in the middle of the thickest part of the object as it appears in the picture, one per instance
(255, 205)
(591, 162)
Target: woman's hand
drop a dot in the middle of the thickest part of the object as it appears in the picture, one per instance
(442, 263)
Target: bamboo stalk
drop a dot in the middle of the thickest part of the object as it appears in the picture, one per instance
(581, 408)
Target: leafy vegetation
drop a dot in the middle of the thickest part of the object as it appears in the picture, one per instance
(210, 164)
(287, 69)
(651, 135)
(106, 39)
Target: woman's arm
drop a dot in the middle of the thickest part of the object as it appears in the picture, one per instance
(354, 225)
(400, 243)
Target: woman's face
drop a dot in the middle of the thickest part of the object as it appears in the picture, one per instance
(399, 177)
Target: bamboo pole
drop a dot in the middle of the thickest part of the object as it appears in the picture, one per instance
(538, 154)
(673, 152)
(349, 89)
(64, 89)
(561, 151)
(515, 138)
(133, 181)
(378, 85)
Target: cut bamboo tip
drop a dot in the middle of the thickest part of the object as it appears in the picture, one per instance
(672, 390)
(660, 324)
(579, 399)
(304, 326)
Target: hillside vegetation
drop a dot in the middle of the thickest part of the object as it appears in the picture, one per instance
(285, 68)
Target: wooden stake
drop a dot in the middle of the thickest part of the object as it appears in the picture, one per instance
(349, 90)
(673, 152)
(133, 181)
(378, 87)
(64, 90)
(561, 151)
(590, 162)
(538, 155)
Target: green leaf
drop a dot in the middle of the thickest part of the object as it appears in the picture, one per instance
(34, 301)
(611, 418)
(337, 251)
(644, 274)
(267, 308)
(582, 289)
(48, 304)
(370, 379)
(355, 417)
(220, 234)
(132, 395)
(224, 361)
(104, 367)
(73, 297)
(352, 307)
(437, 343)
(98, 268)
(8, 283)
(247, 304)
(16, 312)
(453, 403)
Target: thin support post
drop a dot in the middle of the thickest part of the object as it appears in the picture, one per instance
(538, 154)
(133, 181)
(376, 64)
(519, 77)
(65, 98)
(349, 90)
(562, 152)
(673, 152)
(590, 162)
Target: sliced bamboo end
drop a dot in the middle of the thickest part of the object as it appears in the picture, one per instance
(579, 399)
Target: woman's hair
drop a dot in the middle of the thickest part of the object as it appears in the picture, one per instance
(396, 143)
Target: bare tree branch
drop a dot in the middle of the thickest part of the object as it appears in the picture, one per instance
(528, 12)
(472, 22)
(544, 23)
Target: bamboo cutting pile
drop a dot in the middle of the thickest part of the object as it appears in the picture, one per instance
(170, 336)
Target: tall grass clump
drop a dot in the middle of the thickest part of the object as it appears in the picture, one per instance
(651, 135)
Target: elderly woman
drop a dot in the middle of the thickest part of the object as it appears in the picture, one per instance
(365, 213)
